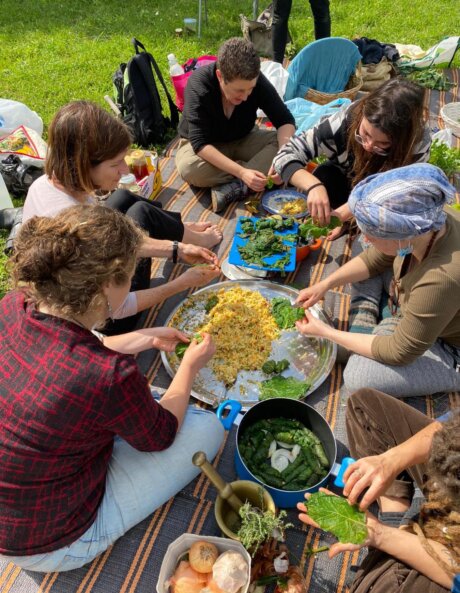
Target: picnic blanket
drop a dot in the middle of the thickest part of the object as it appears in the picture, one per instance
(133, 563)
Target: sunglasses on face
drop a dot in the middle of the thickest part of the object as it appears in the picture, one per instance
(375, 149)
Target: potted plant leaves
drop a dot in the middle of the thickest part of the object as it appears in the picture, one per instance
(309, 236)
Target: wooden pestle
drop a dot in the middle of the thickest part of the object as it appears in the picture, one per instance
(224, 489)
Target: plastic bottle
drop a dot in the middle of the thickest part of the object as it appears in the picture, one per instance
(175, 69)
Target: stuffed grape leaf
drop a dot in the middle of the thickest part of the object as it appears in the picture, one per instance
(334, 514)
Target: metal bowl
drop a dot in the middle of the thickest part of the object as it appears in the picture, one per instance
(311, 359)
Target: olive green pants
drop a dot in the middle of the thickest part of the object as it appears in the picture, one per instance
(255, 151)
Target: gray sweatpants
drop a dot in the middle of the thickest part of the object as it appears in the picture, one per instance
(432, 372)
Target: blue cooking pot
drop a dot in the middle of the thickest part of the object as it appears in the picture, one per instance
(284, 408)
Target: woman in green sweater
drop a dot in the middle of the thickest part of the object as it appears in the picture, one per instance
(403, 219)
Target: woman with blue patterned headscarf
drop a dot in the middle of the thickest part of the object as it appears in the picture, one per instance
(404, 218)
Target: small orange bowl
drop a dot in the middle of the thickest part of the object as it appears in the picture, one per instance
(303, 251)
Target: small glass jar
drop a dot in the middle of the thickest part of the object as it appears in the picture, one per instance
(139, 164)
(129, 182)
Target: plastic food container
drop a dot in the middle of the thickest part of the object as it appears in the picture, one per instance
(183, 543)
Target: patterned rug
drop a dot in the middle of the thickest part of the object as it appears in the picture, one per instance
(133, 563)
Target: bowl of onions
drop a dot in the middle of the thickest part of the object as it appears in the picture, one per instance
(204, 564)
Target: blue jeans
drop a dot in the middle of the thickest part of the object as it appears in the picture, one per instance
(137, 484)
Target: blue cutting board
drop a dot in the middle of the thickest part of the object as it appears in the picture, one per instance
(235, 257)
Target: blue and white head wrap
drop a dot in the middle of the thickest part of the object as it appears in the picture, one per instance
(402, 203)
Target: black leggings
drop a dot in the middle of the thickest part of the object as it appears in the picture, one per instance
(159, 224)
(281, 12)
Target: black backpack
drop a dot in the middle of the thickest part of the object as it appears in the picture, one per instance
(137, 97)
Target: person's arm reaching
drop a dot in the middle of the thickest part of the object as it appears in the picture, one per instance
(177, 395)
(377, 472)
(190, 254)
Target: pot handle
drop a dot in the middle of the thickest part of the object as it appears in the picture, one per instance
(234, 408)
(339, 469)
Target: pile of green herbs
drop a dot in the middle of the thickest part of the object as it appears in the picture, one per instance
(445, 157)
(265, 243)
(430, 78)
(258, 526)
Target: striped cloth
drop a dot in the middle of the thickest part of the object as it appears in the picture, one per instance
(133, 563)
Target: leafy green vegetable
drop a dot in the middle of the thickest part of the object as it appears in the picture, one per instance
(277, 224)
(310, 230)
(269, 183)
(280, 386)
(272, 366)
(444, 157)
(334, 514)
(181, 347)
(258, 525)
(211, 303)
(284, 313)
(430, 78)
(263, 244)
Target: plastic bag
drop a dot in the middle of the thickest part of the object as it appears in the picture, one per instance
(26, 143)
(443, 137)
(440, 54)
(180, 82)
(308, 114)
(277, 75)
(14, 114)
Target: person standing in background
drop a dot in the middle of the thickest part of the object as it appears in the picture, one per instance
(281, 12)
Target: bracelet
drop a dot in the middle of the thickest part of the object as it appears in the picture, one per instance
(307, 191)
(175, 251)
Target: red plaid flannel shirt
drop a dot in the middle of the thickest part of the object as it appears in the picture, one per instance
(63, 397)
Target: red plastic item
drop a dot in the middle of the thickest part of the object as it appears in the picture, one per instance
(304, 250)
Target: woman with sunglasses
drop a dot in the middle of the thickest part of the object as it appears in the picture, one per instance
(382, 131)
(403, 217)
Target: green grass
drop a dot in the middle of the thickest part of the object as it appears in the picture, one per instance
(53, 52)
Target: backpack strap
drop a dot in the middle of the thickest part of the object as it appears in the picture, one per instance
(172, 107)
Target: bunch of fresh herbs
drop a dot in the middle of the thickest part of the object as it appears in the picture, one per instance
(257, 526)
(444, 157)
(430, 78)
(310, 230)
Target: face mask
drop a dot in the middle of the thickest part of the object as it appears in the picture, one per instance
(403, 251)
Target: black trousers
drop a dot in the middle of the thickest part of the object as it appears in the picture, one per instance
(281, 12)
(159, 224)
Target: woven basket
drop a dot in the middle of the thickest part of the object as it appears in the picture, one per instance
(350, 92)
(450, 113)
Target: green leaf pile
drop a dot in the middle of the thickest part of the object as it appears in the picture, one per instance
(284, 313)
(444, 157)
(334, 514)
(280, 386)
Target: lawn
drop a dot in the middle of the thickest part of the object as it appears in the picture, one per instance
(54, 52)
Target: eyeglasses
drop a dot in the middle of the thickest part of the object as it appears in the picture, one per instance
(375, 149)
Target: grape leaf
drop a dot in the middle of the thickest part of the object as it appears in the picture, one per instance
(334, 514)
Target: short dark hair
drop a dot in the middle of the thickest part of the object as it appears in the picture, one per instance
(238, 59)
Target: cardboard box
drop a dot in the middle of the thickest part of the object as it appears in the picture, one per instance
(183, 543)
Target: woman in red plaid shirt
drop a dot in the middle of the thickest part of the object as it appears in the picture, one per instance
(86, 452)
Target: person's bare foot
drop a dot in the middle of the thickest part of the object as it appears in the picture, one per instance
(198, 226)
(209, 237)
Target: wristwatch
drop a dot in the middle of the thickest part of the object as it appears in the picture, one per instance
(175, 251)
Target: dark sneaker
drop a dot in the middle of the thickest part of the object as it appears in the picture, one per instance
(224, 194)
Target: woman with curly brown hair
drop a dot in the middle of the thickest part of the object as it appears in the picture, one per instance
(397, 446)
(381, 131)
(86, 452)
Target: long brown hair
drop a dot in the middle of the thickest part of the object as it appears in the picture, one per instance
(440, 515)
(396, 109)
(64, 262)
(81, 136)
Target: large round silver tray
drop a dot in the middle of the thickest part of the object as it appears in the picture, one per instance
(311, 359)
